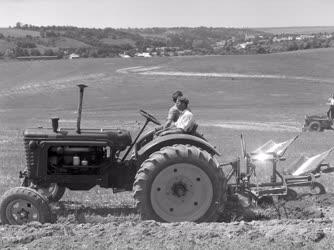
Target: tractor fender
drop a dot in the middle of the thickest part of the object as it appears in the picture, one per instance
(170, 140)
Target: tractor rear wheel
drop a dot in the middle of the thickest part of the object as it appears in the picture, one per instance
(180, 183)
(315, 126)
(21, 205)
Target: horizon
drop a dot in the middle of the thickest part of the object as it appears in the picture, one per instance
(153, 13)
(172, 27)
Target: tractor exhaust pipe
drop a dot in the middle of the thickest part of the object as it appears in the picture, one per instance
(81, 87)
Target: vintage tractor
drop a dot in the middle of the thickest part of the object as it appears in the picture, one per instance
(317, 123)
(174, 177)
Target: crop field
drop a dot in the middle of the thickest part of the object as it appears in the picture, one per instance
(261, 96)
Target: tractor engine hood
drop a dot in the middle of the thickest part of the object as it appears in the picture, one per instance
(120, 138)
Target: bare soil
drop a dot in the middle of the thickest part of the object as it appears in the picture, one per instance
(303, 223)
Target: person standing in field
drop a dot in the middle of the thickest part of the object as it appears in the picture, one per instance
(330, 112)
(174, 112)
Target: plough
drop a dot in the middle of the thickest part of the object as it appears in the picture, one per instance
(301, 173)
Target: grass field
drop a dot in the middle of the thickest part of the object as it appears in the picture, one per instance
(263, 96)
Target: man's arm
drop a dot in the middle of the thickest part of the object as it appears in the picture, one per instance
(172, 116)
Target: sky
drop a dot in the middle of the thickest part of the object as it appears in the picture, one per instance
(170, 13)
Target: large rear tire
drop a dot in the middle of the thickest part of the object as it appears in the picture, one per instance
(21, 205)
(180, 183)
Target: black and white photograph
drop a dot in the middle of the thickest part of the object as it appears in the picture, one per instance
(172, 125)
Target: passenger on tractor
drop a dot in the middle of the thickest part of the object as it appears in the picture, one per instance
(185, 123)
(174, 112)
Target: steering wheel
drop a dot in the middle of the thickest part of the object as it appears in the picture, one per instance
(149, 117)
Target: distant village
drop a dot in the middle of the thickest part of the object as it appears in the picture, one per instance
(251, 43)
(48, 43)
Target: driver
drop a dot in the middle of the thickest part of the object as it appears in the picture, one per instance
(174, 112)
(185, 122)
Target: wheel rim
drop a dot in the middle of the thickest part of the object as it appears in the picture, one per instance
(315, 126)
(49, 190)
(315, 189)
(181, 192)
(21, 211)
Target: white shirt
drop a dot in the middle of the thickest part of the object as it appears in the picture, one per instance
(331, 101)
(186, 121)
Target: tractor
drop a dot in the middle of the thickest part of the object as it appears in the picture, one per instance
(317, 123)
(174, 177)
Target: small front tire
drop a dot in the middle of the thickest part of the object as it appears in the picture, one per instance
(21, 205)
(315, 126)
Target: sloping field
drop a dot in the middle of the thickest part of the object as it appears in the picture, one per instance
(262, 96)
(19, 32)
(65, 42)
(123, 41)
(298, 30)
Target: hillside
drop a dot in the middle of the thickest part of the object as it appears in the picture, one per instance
(61, 41)
(13, 32)
(297, 30)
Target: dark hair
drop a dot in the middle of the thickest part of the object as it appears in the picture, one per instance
(176, 95)
(184, 100)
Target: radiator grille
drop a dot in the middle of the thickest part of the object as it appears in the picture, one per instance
(30, 158)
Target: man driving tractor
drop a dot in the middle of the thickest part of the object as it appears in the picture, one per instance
(184, 123)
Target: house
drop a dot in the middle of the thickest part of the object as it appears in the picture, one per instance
(280, 39)
(304, 37)
(73, 56)
(243, 45)
(124, 56)
(221, 43)
(144, 54)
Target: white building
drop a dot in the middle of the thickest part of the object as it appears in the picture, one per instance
(73, 56)
(144, 54)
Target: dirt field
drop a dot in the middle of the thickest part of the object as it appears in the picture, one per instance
(264, 97)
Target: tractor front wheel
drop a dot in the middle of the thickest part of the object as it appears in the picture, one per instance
(180, 183)
(317, 188)
(21, 205)
(53, 192)
(315, 126)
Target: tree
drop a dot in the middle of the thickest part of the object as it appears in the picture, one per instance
(18, 25)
